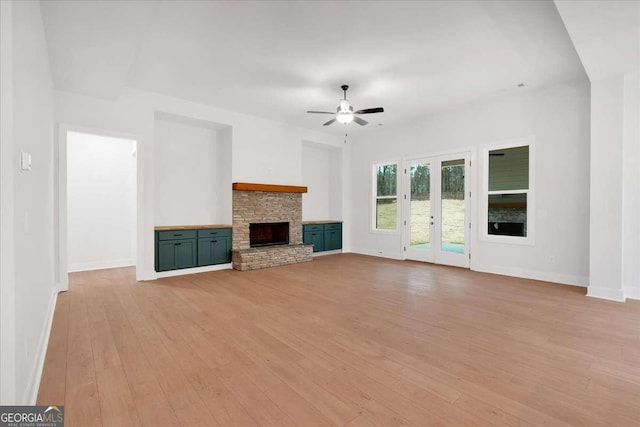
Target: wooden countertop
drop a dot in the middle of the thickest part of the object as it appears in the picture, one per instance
(189, 227)
(321, 222)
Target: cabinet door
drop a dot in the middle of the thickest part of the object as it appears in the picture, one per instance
(222, 251)
(332, 240)
(214, 251)
(185, 251)
(166, 255)
(205, 251)
(316, 238)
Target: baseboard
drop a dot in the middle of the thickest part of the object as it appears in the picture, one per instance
(185, 271)
(323, 253)
(632, 292)
(606, 293)
(545, 276)
(379, 254)
(100, 265)
(31, 392)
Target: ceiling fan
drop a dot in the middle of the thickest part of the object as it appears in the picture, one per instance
(344, 113)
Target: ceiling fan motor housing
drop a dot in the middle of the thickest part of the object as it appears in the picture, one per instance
(344, 112)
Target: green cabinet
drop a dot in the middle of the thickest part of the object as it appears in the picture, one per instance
(332, 237)
(324, 237)
(177, 249)
(214, 246)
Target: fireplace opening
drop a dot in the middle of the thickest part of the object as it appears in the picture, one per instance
(268, 234)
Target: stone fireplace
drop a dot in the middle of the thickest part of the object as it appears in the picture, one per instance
(267, 226)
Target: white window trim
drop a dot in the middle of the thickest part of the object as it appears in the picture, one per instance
(374, 197)
(484, 197)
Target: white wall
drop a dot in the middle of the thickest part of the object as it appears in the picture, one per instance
(631, 187)
(322, 174)
(188, 184)
(101, 195)
(261, 151)
(7, 260)
(605, 275)
(615, 188)
(29, 243)
(558, 118)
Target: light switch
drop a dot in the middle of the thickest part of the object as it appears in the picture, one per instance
(25, 161)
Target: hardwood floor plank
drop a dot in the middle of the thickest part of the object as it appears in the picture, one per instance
(52, 390)
(151, 403)
(186, 402)
(82, 403)
(113, 388)
(343, 340)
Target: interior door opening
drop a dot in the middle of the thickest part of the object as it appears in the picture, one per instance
(100, 206)
(436, 222)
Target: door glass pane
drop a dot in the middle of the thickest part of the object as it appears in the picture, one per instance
(508, 214)
(453, 194)
(420, 206)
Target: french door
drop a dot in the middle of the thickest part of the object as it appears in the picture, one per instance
(436, 209)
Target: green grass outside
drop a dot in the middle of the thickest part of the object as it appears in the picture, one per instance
(453, 223)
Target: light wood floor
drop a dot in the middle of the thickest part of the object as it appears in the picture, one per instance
(343, 340)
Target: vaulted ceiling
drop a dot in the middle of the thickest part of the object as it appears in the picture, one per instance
(277, 59)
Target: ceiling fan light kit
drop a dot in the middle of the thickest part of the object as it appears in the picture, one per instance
(344, 113)
(344, 117)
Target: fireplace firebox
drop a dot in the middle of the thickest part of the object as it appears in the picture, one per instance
(268, 234)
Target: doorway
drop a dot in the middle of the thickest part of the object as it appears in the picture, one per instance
(98, 201)
(437, 209)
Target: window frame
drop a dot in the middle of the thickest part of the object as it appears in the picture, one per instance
(484, 235)
(375, 197)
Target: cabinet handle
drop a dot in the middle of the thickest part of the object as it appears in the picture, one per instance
(214, 241)
(177, 244)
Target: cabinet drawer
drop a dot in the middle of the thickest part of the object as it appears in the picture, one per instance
(176, 234)
(335, 226)
(214, 232)
(312, 227)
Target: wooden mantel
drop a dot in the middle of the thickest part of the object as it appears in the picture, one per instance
(247, 186)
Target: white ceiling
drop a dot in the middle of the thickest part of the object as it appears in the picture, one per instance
(606, 34)
(278, 59)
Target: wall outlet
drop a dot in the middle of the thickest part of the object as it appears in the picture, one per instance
(552, 259)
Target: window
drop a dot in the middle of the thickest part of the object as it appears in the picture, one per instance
(386, 196)
(508, 194)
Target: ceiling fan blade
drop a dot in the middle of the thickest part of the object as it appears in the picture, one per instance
(320, 112)
(359, 121)
(370, 110)
(329, 122)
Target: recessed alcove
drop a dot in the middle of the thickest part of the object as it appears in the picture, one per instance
(192, 170)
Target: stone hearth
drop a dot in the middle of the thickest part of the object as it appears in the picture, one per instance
(260, 203)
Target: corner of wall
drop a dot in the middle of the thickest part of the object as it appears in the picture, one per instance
(606, 293)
